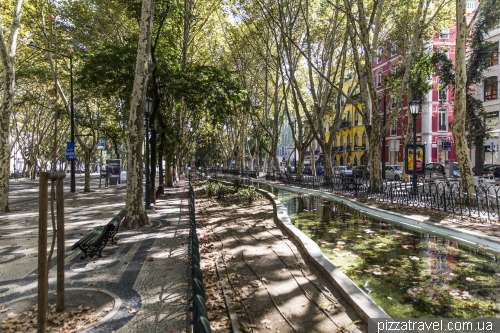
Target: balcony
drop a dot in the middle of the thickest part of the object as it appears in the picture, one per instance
(345, 124)
(361, 147)
(355, 98)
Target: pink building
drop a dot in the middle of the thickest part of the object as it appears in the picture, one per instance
(436, 114)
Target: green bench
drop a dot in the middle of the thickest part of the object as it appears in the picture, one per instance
(92, 243)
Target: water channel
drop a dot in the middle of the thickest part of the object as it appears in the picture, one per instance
(408, 274)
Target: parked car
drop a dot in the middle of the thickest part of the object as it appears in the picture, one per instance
(436, 170)
(362, 171)
(320, 171)
(393, 172)
(342, 170)
(488, 169)
(307, 170)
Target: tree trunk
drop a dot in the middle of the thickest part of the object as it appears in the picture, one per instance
(134, 203)
(479, 155)
(460, 98)
(8, 63)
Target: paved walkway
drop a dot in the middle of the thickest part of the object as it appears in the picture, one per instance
(147, 273)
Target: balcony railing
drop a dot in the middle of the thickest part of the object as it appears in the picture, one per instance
(345, 124)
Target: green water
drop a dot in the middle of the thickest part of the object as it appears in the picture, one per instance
(408, 274)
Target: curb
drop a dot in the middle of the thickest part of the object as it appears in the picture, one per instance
(363, 304)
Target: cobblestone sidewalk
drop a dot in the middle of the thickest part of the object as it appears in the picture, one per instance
(146, 272)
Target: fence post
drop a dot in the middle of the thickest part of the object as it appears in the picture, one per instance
(60, 244)
(43, 287)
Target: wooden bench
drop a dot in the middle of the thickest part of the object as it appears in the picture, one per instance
(92, 243)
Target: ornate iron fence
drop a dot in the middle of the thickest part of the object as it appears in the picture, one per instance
(200, 317)
(481, 200)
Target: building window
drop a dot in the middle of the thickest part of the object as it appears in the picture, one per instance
(491, 88)
(379, 55)
(394, 128)
(341, 100)
(341, 141)
(445, 51)
(348, 77)
(379, 79)
(355, 160)
(493, 51)
(348, 116)
(394, 49)
(444, 34)
(393, 151)
(363, 139)
(356, 117)
(392, 103)
(335, 142)
(442, 120)
(356, 139)
(348, 141)
(443, 95)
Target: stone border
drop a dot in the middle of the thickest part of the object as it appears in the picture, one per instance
(361, 302)
(116, 307)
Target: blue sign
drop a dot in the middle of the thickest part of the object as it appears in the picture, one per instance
(446, 145)
(70, 151)
(102, 144)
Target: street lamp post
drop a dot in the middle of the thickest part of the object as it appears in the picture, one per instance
(72, 110)
(414, 109)
(149, 104)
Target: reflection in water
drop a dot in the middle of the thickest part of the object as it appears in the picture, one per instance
(410, 275)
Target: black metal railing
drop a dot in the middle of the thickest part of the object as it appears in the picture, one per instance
(200, 317)
(479, 200)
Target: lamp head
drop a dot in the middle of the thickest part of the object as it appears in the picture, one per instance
(149, 105)
(414, 107)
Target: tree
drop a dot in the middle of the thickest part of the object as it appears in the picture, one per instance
(134, 203)
(369, 25)
(8, 46)
(477, 60)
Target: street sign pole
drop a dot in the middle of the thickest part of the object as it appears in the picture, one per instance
(102, 144)
(492, 148)
(100, 167)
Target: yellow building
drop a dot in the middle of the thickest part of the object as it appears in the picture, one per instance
(350, 146)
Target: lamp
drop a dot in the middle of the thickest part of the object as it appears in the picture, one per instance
(72, 110)
(414, 109)
(147, 113)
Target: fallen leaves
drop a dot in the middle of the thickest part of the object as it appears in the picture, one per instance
(61, 322)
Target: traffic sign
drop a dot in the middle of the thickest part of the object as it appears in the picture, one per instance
(70, 151)
(446, 145)
(102, 144)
